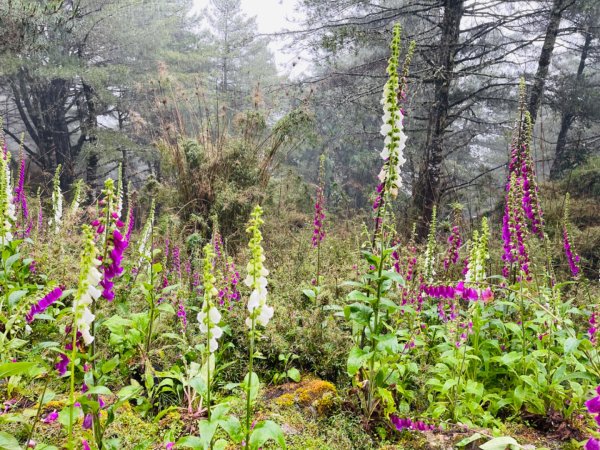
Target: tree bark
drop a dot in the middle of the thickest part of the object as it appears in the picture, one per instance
(427, 188)
(563, 157)
(537, 90)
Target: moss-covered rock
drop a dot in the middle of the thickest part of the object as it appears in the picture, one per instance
(316, 395)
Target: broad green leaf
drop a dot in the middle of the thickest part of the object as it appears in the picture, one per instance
(99, 390)
(309, 293)
(128, 391)
(16, 368)
(233, 428)
(109, 365)
(206, 430)
(571, 345)
(501, 443)
(294, 374)
(8, 442)
(265, 431)
(15, 296)
(166, 308)
(254, 386)
(190, 442)
(356, 358)
(394, 276)
(468, 440)
(199, 385)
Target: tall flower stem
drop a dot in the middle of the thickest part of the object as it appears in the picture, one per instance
(39, 410)
(72, 386)
(249, 384)
(152, 294)
(208, 380)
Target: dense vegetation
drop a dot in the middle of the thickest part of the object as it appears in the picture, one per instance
(197, 253)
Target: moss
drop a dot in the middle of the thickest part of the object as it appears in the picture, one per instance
(285, 400)
(318, 395)
(131, 429)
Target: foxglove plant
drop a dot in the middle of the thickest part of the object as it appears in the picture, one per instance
(523, 211)
(392, 129)
(44, 303)
(119, 194)
(573, 260)
(478, 254)
(454, 243)
(318, 230)
(87, 292)
(259, 312)
(593, 407)
(514, 232)
(113, 243)
(368, 362)
(20, 198)
(84, 299)
(7, 207)
(57, 202)
(77, 198)
(130, 222)
(145, 244)
(209, 317)
(429, 262)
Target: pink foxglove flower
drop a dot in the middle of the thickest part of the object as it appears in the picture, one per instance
(51, 417)
(572, 259)
(454, 242)
(62, 365)
(43, 304)
(108, 227)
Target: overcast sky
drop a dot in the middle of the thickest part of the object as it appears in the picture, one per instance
(272, 16)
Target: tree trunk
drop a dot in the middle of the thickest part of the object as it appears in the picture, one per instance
(563, 158)
(427, 188)
(42, 106)
(89, 121)
(537, 90)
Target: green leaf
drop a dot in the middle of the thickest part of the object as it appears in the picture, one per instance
(220, 444)
(15, 296)
(501, 443)
(99, 390)
(265, 431)
(359, 313)
(254, 387)
(8, 442)
(128, 391)
(358, 296)
(199, 385)
(233, 428)
(166, 307)
(394, 276)
(109, 365)
(190, 442)
(11, 260)
(571, 345)
(468, 440)
(356, 358)
(16, 368)
(294, 374)
(206, 430)
(309, 293)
